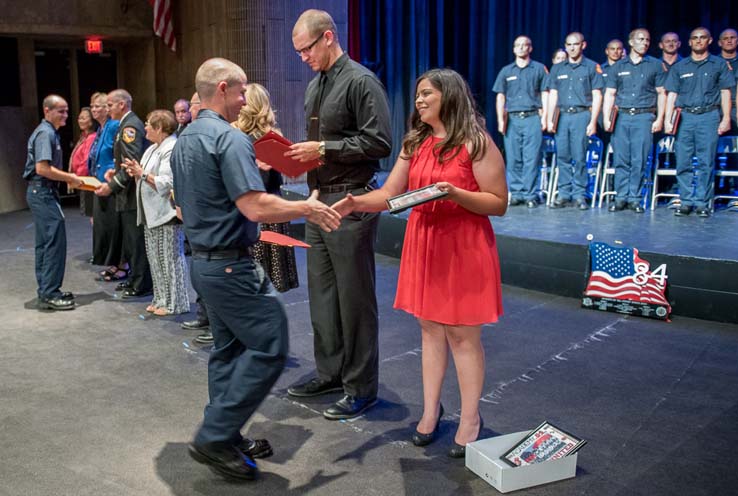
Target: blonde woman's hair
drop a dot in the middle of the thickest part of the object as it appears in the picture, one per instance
(256, 117)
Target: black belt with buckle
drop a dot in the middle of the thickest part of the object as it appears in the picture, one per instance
(522, 114)
(41, 182)
(700, 110)
(573, 110)
(342, 188)
(636, 111)
(234, 254)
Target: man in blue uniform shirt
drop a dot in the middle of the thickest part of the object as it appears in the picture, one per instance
(221, 198)
(728, 42)
(699, 85)
(669, 46)
(43, 167)
(575, 87)
(636, 86)
(521, 120)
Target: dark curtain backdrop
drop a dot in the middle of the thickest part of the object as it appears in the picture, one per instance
(400, 40)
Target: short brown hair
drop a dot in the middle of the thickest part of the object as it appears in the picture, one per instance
(163, 120)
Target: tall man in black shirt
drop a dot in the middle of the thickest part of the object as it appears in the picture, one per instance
(349, 131)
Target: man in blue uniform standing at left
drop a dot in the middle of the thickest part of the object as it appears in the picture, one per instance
(43, 167)
(220, 196)
(520, 106)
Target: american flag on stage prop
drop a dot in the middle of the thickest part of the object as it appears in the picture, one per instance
(621, 281)
(163, 25)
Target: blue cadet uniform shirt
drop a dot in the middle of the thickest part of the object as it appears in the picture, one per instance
(575, 82)
(698, 83)
(44, 144)
(636, 83)
(522, 87)
(214, 164)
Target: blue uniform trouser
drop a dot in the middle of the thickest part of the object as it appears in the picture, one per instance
(523, 156)
(250, 343)
(51, 238)
(343, 301)
(571, 154)
(632, 142)
(697, 136)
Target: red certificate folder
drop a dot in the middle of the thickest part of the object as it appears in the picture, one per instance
(89, 183)
(675, 116)
(281, 239)
(271, 148)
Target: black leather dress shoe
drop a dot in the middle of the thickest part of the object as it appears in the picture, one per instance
(682, 210)
(532, 204)
(420, 439)
(349, 407)
(204, 338)
(132, 293)
(67, 295)
(314, 387)
(195, 325)
(637, 208)
(516, 201)
(256, 448)
(703, 212)
(227, 461)
(459, 451)
(616, 207)
(58, 304)
(122, 286)
(582, 205)
(560, 204)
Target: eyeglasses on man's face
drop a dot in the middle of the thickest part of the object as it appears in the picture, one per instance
(304, 51)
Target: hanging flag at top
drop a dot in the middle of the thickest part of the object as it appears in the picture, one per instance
(163, 24)
(621, 281)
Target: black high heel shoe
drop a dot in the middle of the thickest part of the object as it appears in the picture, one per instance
(459, 451)
(420, 439)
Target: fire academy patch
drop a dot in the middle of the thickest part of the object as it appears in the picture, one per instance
(129, 134)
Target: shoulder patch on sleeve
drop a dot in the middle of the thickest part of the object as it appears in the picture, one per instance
(129, 134)
(598, 68)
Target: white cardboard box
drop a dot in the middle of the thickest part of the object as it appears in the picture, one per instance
(483, 458)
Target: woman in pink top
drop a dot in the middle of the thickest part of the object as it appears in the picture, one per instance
(78, 161)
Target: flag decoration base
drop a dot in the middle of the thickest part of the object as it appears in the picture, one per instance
(627, 307)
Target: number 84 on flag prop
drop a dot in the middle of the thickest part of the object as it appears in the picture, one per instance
(619, 280)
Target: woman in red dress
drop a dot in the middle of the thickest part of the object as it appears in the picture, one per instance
(449, 271)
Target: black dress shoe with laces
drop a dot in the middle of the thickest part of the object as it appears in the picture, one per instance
(349, 407)
(560, 204)
(582, 205)
(459, 451)
(637, 208)
(122, 286)
(204, 338)
(133, 293)
(703, 212)
(227, 461)
(256, 448)
(616, 207)
(532, 204)
(314, 387)
(682, 210)
(195, 325)
(58, 304)
(420, 439)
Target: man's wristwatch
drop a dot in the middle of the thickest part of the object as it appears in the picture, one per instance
(321, 149)
(144, 176)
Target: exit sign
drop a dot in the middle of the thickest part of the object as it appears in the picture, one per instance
(93, 46)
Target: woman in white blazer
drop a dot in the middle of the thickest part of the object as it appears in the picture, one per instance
(156, 212)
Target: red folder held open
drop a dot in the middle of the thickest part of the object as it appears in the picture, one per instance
(271, 148)
(281, 239)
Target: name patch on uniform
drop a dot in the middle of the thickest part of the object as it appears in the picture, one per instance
(511, 78)
(689, 74)
(563, 76)
(129, 134)
(626, 73)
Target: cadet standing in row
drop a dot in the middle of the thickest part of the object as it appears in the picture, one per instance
(575, 86)
(636, 85)
(521, 119)
(699, 85)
